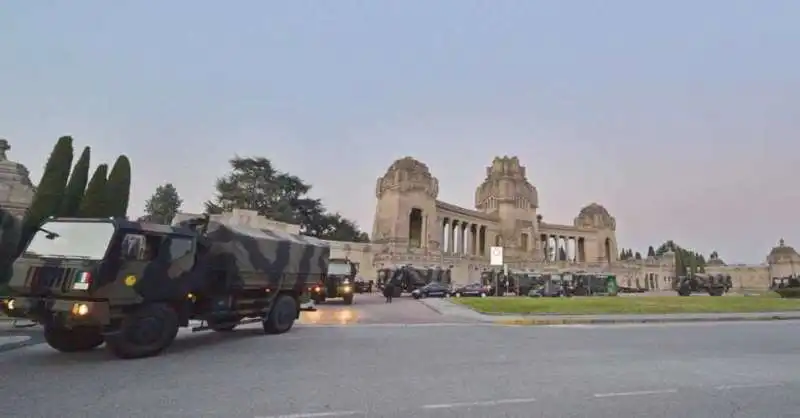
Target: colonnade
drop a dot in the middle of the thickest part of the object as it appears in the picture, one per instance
(463, 238)
(563, 248)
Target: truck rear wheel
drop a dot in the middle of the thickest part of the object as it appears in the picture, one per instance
(348, 299)
(282, 315)
(72, 340)
(145, 332)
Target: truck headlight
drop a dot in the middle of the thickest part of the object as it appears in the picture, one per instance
(347, 289)
(80, 309)
(10, 304)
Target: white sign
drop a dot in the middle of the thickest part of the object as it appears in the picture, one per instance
(496, 256)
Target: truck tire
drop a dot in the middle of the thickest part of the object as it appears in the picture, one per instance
(282, 315)
(348, 299)
(145, 332)
(73, 340)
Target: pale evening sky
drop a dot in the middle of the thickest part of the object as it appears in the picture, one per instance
(680, 117)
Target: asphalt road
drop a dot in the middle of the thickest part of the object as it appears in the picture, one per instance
(434, 369)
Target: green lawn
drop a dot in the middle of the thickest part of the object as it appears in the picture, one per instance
(629, 305)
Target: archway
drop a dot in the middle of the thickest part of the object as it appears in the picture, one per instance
(415, 228)
(608, 249)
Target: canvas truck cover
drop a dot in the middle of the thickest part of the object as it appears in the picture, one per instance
(260, 255)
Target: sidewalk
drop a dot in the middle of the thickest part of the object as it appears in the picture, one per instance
(447, 308)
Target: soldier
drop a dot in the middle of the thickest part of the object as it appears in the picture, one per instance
(388, 291)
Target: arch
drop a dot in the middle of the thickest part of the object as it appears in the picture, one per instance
(607, 250)
(415, 228)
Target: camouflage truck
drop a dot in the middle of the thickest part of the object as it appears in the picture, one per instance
(714, 285)
(132, 285)
(339, 282)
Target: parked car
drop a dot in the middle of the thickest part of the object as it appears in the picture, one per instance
(432, 290)
(474, 290)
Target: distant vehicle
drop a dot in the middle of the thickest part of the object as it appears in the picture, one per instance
(432, 290)
(714, 285)
(474, 290)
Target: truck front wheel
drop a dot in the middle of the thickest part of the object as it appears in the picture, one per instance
(73, 340)
(145, 332)
(348, 299)
(282, 315)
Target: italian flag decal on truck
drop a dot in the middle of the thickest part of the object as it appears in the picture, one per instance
(83, 281)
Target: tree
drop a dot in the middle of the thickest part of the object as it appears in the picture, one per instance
(651, 252)
(94, 201)
(686, 261)
(49, 192)
(76, 186)
(638, 255)
(163, 205)
(118, 188)
(255, 184)
(10, 230)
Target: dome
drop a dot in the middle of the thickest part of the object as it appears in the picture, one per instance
(782, 251)
(405, 175)
(409, 164)
(16, 188)
(595, 215)
(592, 210)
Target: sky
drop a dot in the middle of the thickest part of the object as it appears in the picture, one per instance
(680, 117)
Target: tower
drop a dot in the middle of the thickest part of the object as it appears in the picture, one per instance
(507, 193)
(405, 216)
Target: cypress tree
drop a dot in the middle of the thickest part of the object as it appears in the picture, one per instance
(76, 186)
(94, 200)
(50, 190)
(9, 242)
(118, 188)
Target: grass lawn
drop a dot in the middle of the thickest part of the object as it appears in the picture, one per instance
(629, 305)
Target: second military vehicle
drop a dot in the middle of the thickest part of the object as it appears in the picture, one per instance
(339, 282)
(131, 285)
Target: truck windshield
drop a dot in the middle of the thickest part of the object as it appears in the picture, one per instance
(88, 240)
(339, 269)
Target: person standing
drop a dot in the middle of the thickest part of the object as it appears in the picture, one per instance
(388, 291)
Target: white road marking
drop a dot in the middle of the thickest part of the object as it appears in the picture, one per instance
(393, 325)
(636, 393)
(482, 403)
(318, 414)
(748, 386)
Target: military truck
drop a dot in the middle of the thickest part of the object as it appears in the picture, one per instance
(131, 285)
(339, 282)
(714, 285)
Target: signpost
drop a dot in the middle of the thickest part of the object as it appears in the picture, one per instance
(496, 259)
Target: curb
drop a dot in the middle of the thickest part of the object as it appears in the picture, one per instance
(609, 321)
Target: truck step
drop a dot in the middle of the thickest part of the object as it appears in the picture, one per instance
(204, 325)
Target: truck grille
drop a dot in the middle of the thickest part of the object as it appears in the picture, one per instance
(47, 279)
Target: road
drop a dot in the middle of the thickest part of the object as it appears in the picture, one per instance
(375, 366)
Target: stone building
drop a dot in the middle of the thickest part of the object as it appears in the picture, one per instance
(16, 188)
(413, 226)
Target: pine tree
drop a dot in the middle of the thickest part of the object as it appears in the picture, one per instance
(94, 204)
(49, 192)
(651, 252)
(163, 205)
(118, 188)
(76, 186)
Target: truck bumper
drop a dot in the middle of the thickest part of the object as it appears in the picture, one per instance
(69, 312)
